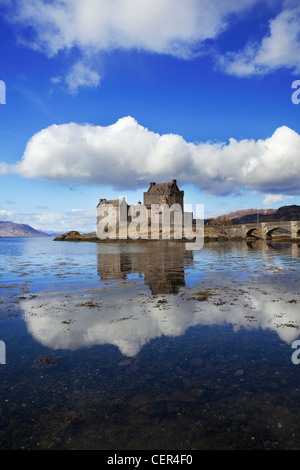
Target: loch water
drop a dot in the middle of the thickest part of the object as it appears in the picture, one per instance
(151, 345)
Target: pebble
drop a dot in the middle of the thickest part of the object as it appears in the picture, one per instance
(197, 361)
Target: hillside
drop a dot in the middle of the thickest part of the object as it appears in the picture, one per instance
(287, 213)
(253, 215)
(11, 229)
(284, 213)
(249, 213)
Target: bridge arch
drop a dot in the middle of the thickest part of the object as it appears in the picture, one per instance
(250, 233)
(284, 231)
(262, 230)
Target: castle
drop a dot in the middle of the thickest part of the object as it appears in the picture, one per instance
(158, 194)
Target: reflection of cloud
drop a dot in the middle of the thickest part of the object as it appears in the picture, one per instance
(128, 320)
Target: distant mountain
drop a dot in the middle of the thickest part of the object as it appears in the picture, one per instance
(252, 215)
(52, 233)
(284, 213)
(244, 216)
(10, 229)
(287, 213)
(249, 213)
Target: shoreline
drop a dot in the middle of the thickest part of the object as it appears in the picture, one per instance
(74, 236)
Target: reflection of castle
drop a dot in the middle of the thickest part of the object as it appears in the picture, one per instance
(163, 269)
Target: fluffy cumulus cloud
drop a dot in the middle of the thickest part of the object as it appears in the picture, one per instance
(279, 48)
(127, 155)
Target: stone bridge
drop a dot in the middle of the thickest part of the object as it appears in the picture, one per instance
(266, 229)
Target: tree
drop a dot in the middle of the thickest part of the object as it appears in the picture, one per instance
(221, 221)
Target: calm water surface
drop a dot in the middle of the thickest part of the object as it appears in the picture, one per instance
(149, 346)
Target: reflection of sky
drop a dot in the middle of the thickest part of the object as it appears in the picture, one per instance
(128, 294)
(128, 319)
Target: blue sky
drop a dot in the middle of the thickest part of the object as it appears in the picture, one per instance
(104, 97)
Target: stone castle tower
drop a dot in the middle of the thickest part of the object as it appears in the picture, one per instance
(164, 193)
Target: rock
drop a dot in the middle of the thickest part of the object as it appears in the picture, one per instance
(126, 362)
(70, 236)
(181, 396)
(197, 362)
(139, 401)
(74, 236)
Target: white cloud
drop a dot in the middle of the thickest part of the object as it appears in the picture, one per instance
(5, 215)
(280, 48)
(164, 26)
(56, 80)
(126, 155)
(175, 27)
(81, 75)
(4, 168)
(81, 220)
(274, 198)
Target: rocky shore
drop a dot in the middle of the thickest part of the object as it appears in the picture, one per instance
(210, 234)
(74, 236)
